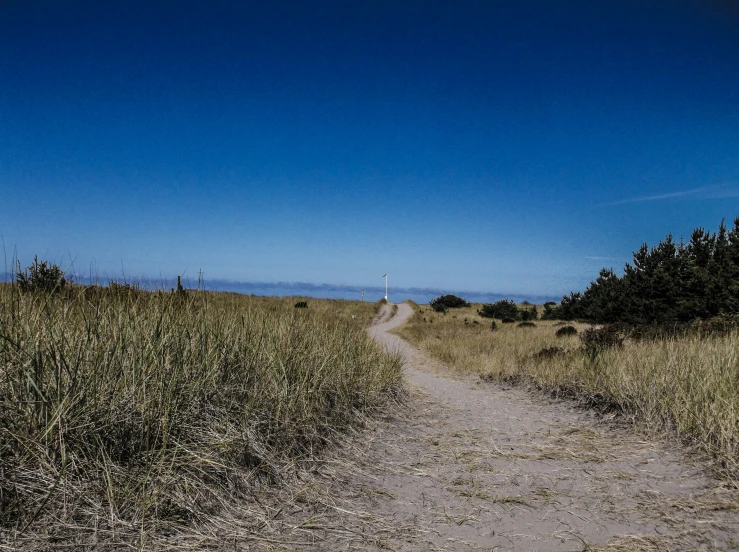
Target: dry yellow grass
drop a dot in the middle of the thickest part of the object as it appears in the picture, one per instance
(127, 416)
(689, 385)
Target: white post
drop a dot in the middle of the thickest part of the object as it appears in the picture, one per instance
(385, 276)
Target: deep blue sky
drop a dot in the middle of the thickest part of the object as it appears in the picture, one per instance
(515, 147)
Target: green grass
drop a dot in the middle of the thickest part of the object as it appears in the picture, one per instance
(125, 414)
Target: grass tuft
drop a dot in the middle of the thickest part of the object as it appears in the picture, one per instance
(126, 414)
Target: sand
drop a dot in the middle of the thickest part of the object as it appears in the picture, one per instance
(463, 464)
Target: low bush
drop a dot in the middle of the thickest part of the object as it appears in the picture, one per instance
(596, 340)
(526, 325)
(713, 327)
(40, 277)
(505, 308)
(566, 331)
(508, 320)
(444, 302)
(301, 305)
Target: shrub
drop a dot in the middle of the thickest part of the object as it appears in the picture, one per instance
(596, 340)
(40, 276)
(115, 288)
(718, 326)
(444, 302)
(301, 305)
(526, 325)
(505, 308)
(551, 311)
(508, 320)
(566, 331)
(529, 314)
(493, 326)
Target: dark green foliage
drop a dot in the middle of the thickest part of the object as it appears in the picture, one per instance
(444, 302)
(508, 320)
(505, 308)
(301, 305)
(551, 311)
(528, 314)
(596, 340)
(565, 331)
(493, 326)
(717, 326)
(40, 276)
(672, 283)
(570, 307)
(526, 325)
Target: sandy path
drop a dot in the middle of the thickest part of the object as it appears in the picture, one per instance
(468, 465)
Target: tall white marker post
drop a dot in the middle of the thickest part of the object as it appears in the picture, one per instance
(385, 276)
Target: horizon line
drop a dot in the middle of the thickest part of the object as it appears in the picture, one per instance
(244, 287)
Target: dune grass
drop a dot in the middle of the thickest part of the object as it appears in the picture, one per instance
(127, 414)
(689, 385)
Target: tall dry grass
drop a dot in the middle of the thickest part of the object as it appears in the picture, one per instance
(688, 384)
(126, 414)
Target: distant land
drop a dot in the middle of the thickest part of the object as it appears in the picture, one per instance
(318, 291)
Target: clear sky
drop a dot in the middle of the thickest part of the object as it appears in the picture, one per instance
(513, 147)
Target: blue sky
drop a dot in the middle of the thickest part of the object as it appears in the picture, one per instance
(509, 147)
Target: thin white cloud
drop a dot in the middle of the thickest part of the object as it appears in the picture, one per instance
(598, 258)
(723, 192)
(704, 192)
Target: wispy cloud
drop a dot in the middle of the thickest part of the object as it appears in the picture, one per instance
(719, 191)
(599, 258)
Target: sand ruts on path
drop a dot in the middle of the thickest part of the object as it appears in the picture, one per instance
(471, 465)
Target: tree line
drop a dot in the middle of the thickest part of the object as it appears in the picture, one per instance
(670, 283)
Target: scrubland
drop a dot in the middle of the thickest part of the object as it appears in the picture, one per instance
(687, 385)
(127, 416)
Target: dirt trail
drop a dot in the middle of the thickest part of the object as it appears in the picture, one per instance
(469, 465)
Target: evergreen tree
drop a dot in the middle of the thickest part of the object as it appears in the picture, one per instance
(669, 283)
